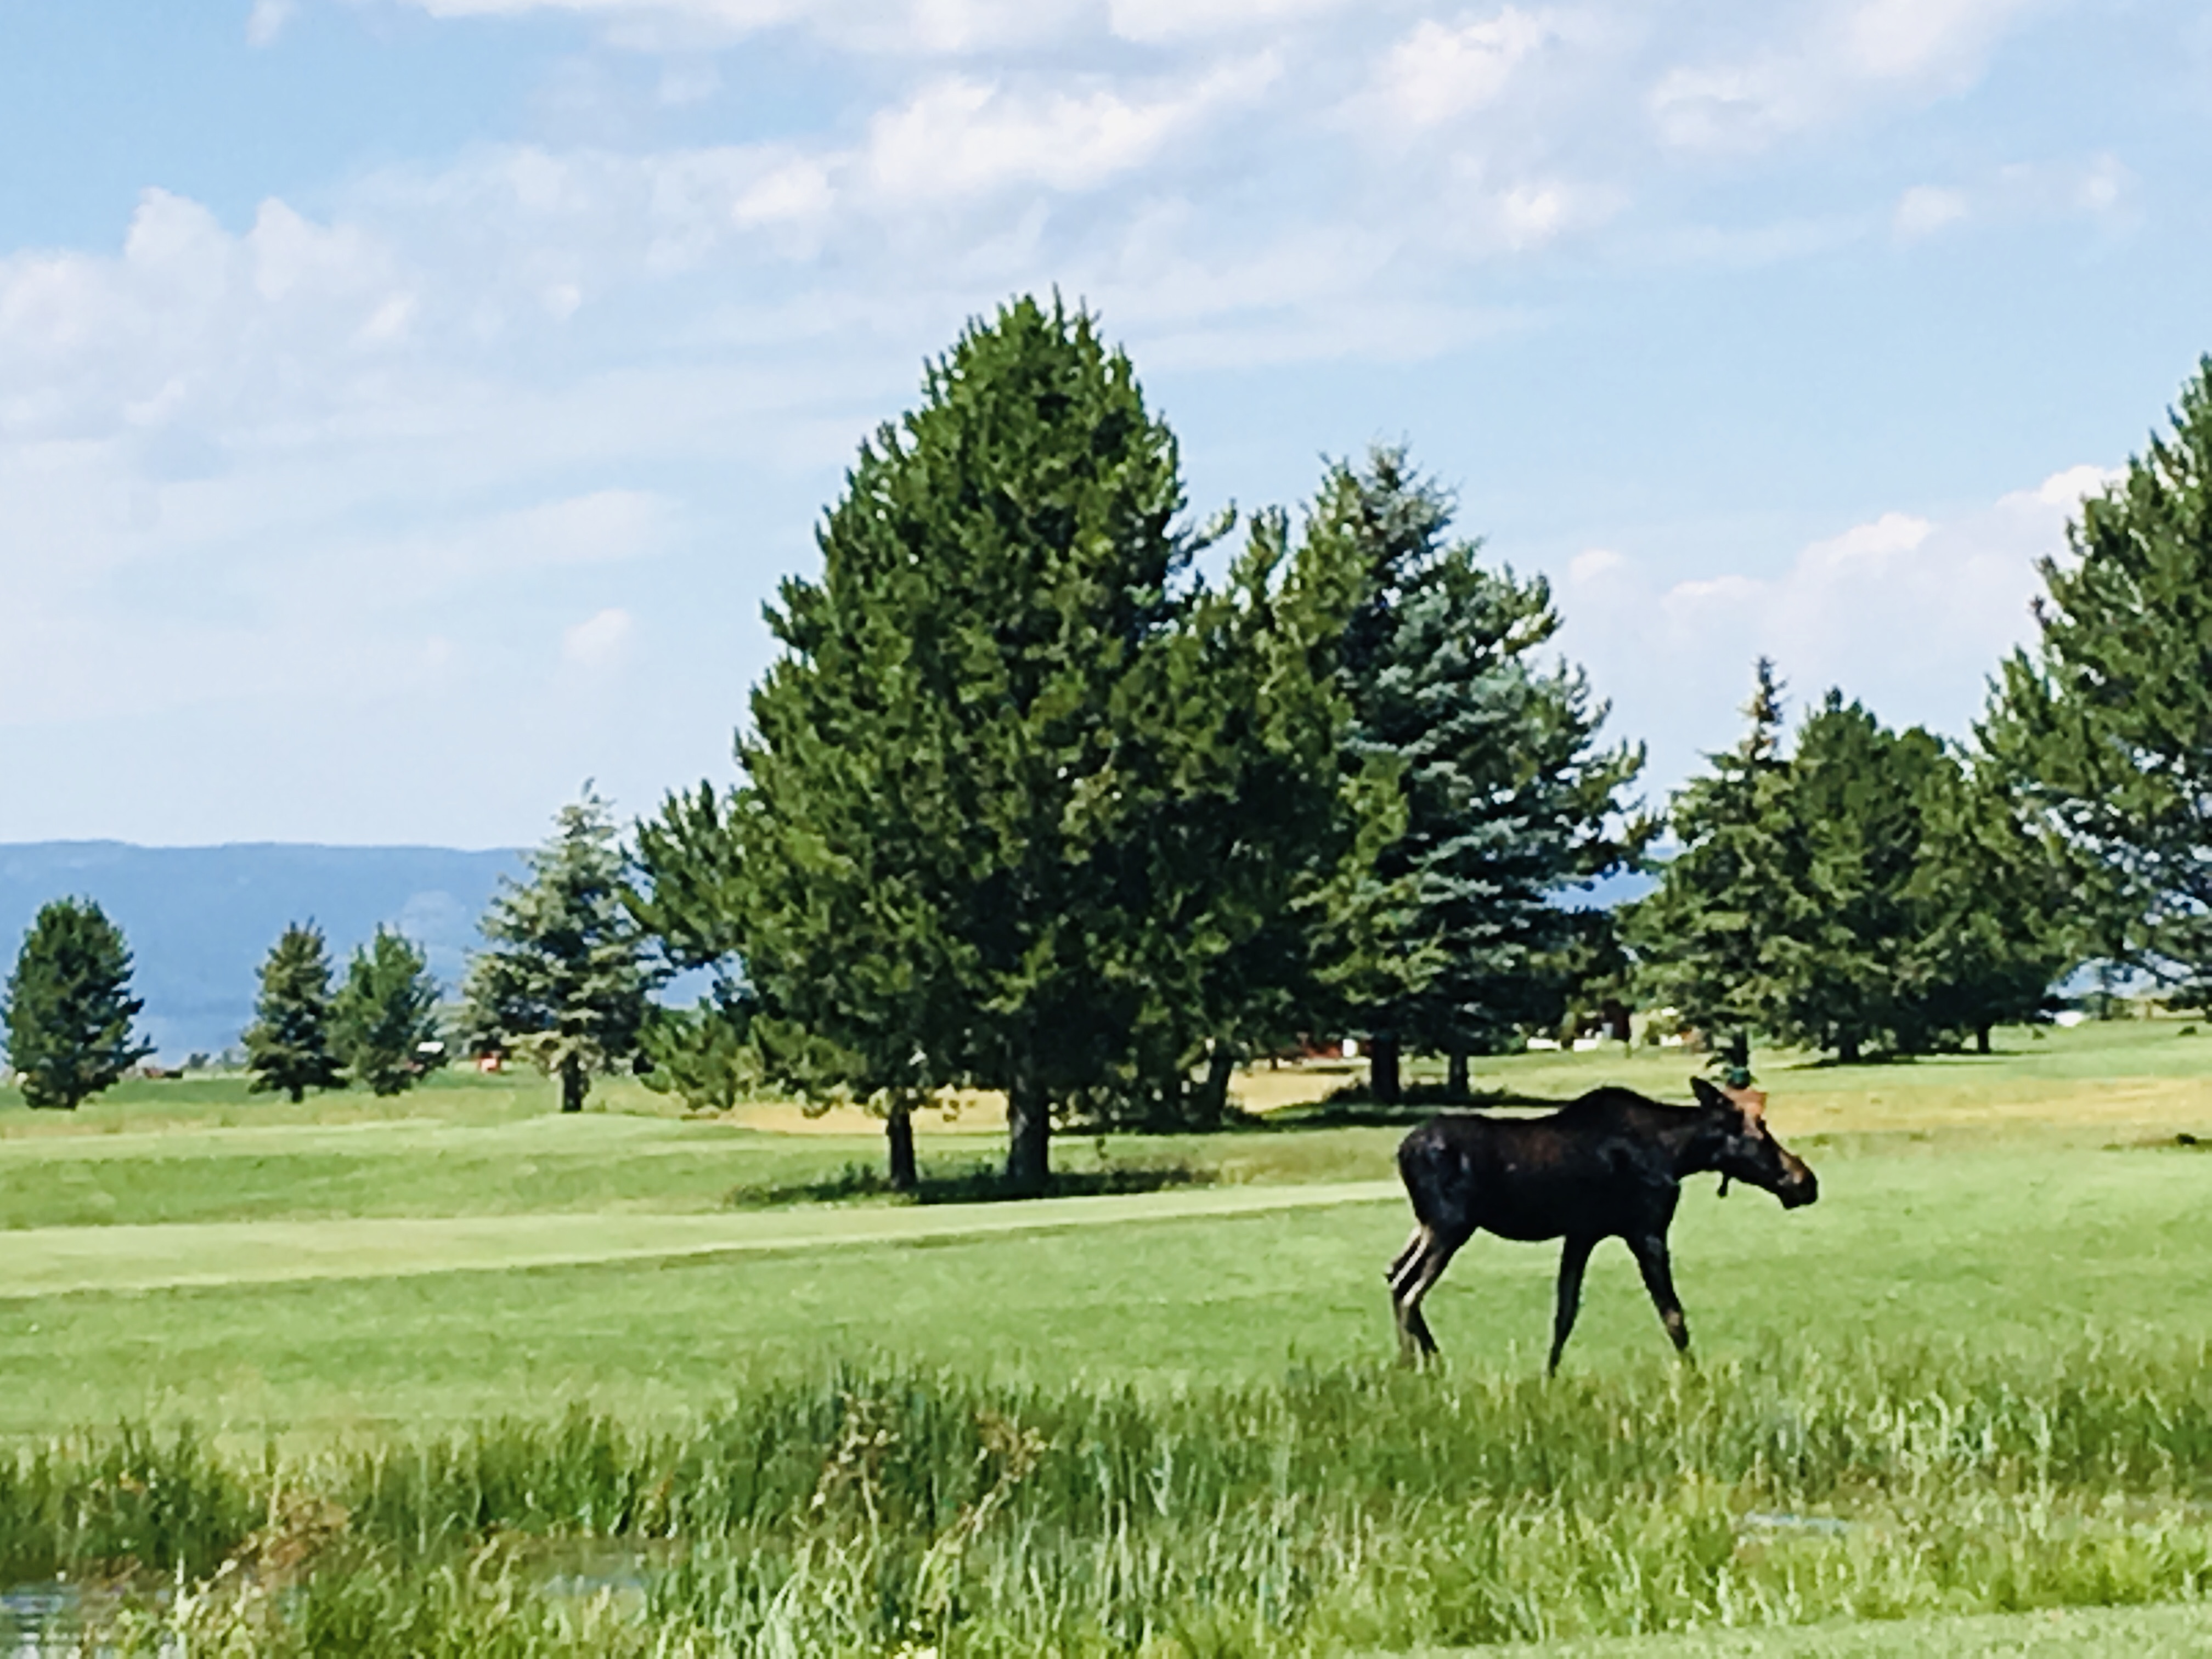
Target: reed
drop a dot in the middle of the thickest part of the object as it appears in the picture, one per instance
(873, 1511)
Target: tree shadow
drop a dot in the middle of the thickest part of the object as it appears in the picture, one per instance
(977, 1183)
(1354, 1106)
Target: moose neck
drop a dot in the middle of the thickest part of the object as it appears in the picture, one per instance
(1696, 1146)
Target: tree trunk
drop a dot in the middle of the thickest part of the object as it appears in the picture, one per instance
(1212, 1101)
(574, 1084)
(898, 1130)
(1383, 1067)
(1981, 1039)
(1028, 1133)
(1847, 1047)
(1456, 1078)
(1616, 1021)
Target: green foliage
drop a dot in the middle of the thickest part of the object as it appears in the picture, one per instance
(1869, 889)
(688, 897)
(995, 778)
(704, 1055)
(386, 1013)
(70, 1006)
(1712, 938)
(1506, 799)
(288, 1046)
(2107, 723)
(562, 979)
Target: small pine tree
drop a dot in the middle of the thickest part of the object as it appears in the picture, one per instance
(563, 982)
(288, 1046)
(70, 1006)
(385, 1013)
(1713, 939)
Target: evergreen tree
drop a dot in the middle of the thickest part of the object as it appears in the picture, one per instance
(704, 1055)
(990, 782)
(2106, 725)
(69, 1007)
(1507, 799)
(1853, 805)
(1989, 935)
(1867, 891)
(288, 1046)
(386, 1014)
(562, 980)
(1712, 938)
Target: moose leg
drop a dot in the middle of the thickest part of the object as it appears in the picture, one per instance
(1419, 1278)
(1651, 1250)
(1404, 1258)
(1572, 1259)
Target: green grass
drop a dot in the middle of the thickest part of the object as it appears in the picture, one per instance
(2005, 1246)
(2167, 1633)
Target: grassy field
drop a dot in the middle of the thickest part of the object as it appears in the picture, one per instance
(303, 1282)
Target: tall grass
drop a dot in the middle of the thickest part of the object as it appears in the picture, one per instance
(873, 1511)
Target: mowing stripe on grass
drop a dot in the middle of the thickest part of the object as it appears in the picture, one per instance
(55, 1261)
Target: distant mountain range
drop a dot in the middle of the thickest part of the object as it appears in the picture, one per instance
(201, 919)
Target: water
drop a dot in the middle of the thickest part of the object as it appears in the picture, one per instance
(45, 1620)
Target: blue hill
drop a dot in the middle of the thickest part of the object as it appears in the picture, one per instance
(201, 919)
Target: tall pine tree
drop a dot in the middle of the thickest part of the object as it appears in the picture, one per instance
(288, 1046)
(1712, 938)
(992, 778)
(1507, 799)
(69, 1008)
(562, 980)
(2106, 724)
(385, 1017)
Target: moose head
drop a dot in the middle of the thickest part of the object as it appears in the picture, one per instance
(1742, 1148)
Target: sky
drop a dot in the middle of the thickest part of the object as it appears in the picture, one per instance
(407, 406)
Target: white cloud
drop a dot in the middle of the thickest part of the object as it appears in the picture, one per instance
(1821, 66)
(268, 21)
(961, 137)
(1177, 20)
(600, 641)
(1900, 39)
(1439, 72)
(1909, 613)
(1924, 210)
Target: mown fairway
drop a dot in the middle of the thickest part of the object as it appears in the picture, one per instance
(2029, 1226)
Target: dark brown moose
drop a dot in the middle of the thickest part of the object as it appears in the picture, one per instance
(1609, 1165)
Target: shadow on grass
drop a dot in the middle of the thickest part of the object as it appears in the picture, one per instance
(975, 1184)
(1354, 1106)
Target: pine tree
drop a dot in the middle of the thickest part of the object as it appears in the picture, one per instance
(705, 1056)
(69, 1007)
(288, 1046)
(1507, 799)
(562, 980)
(2106, 725)
(988, 787)
(385, 1015)
(1989, 935)
(1712, 940)
(1853, 802)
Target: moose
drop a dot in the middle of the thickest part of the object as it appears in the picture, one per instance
(1609, 1165)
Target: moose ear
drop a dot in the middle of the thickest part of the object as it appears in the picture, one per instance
(1707, 1095)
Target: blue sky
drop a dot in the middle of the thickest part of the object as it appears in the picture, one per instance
(406, 405)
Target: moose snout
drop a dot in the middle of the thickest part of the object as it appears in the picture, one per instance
(1799, 1187)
